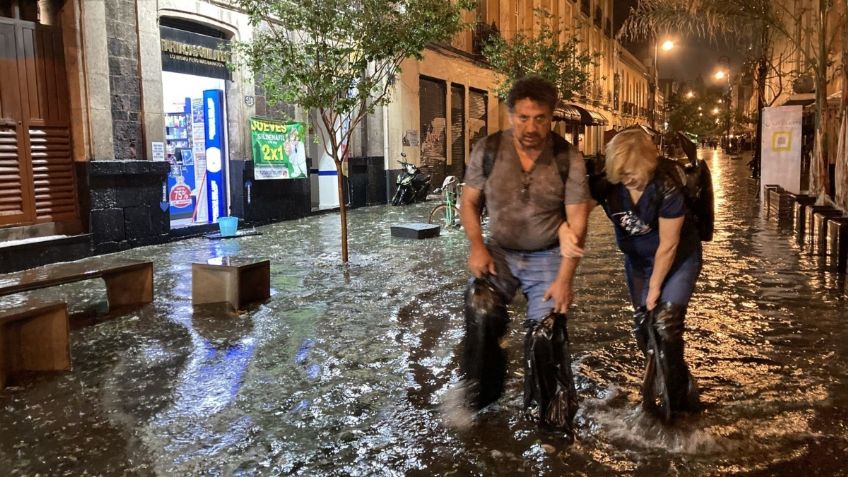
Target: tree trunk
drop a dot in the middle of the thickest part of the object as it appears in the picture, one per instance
(762, 71)
(842, 143)
(818, 169)
(842, 160)
(342, 208)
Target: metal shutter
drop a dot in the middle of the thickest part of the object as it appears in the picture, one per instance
(457, 161)
(432, 99)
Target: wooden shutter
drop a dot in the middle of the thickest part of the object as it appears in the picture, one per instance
(15, 178)
(12, 184)
(49, 128)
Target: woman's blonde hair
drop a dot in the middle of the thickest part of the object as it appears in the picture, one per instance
(631, 150)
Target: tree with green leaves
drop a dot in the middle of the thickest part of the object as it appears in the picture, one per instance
(339, 58)
(756, 23)
(698, 114)
(541, 53)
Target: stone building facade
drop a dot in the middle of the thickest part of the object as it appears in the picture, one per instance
(127, 121)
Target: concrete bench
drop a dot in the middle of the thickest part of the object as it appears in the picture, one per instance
(128, 282)
(34, 337)
(234, 280)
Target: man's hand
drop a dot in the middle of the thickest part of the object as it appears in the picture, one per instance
(480, 262)
(561, 292)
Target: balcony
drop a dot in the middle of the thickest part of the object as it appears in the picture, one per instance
(481, 34)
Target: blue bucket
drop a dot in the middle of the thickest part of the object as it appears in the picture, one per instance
(228, 226)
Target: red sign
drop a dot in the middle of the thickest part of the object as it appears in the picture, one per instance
(180, 196)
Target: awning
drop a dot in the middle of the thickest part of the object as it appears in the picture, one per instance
(567, 112)
(571, 113)
(598, 119)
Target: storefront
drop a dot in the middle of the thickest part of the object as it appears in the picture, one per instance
(194, 82)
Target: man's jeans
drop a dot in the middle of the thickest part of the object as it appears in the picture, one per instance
(532, 272)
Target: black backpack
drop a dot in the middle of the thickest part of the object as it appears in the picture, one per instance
(693, 179)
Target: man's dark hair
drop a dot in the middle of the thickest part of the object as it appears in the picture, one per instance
(534, 88)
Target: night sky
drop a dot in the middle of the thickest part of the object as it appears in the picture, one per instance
(691, 56)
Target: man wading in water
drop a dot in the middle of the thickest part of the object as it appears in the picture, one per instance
(532, 179)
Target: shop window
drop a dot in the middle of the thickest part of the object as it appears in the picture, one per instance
(478, 122)
(41, 11)
(194, 84)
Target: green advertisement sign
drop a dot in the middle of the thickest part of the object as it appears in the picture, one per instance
(278, 149)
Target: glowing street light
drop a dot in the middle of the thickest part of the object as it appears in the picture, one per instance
(715, 110)
(667, 45)
(720, 74)
(690, 94)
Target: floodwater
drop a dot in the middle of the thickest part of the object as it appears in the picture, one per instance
(352, 372)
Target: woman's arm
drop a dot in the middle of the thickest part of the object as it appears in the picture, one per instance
(664, 257)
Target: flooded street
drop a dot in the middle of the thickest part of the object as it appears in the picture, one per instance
(350, 372)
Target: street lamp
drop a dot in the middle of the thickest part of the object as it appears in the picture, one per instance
(722, 74)
(690, 95)
(667, 45)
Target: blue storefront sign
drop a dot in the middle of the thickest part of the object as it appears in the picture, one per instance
(216, 182)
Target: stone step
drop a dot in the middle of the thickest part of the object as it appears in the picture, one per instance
(23, 254)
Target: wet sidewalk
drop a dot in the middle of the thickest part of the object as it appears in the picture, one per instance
(346, 372)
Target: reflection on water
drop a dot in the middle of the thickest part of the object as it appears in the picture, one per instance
(354, 372)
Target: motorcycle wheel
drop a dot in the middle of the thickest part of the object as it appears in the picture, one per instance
(396, 198)
(446, 216)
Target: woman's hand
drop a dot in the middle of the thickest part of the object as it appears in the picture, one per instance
(653, 298)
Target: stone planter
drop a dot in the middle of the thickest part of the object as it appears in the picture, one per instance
(816, 217)
(800, 215)
(836, 243)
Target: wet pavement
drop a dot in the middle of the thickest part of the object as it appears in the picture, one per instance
(351, 372)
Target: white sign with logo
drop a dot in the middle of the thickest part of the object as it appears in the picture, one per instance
(781, 144)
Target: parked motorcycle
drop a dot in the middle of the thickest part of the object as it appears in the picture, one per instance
(412, 184)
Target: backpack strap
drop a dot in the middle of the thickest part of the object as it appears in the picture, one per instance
(490, 153)
(561, 150)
